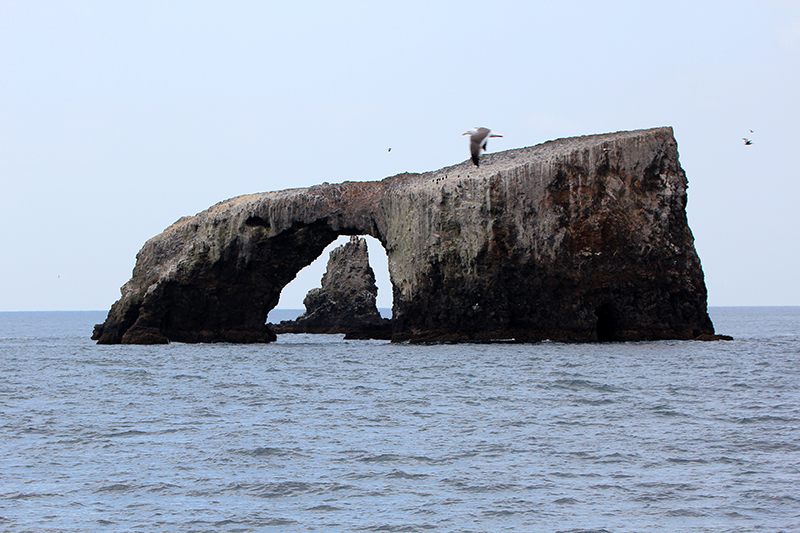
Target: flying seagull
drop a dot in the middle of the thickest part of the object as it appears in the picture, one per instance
(747, 142)
(477, 142)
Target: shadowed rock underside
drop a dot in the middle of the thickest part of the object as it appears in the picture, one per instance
(579, 239)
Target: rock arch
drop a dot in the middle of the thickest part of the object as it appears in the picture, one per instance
(526, 247)
(214, 277)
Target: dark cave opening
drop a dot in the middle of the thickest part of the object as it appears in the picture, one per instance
(606, 323)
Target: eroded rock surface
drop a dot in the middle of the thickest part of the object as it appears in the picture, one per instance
(345, 302)
(579, 239)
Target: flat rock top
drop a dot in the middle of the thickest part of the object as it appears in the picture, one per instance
(491, 163)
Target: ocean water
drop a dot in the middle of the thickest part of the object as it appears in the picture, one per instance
(314, 433)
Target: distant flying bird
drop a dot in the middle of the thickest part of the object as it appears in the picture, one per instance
(477, 142)
(390, 149)
(747, 142)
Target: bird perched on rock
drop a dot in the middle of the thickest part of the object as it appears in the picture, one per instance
(477, 142)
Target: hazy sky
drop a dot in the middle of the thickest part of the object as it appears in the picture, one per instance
(118, 118)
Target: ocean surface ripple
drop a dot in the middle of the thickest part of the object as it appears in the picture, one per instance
(315, 433)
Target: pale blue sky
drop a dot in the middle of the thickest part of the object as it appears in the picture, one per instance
(118, 118)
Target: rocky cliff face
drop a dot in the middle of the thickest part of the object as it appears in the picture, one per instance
(579, 239)
(345, 303)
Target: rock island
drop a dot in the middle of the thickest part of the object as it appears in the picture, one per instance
(581, 239)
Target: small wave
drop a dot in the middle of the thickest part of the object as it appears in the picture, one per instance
(170, 431)
(601, 401)
(382, 458)
(116, 487)
(766, 446)
(516, 423)
(778, 498)
(683, 460)
(565, 501)
(767, 418)
(232, 385)
(136, 373)
(283, 489)
(664, 411)
(161, 487)
(606, 486)
(583, 531)
(245, 524)
(128, 433)
(397, 528)
(728, 460)
(584, 384)
(28, 495)
(266, 452)
(618, 458)
(499, 513)
(279, 489)
(464, 486)
(399, 474)
(688, 513)
(323, 508)
(664, 491)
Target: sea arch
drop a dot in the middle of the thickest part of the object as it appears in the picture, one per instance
(215, 277)
(536, 243)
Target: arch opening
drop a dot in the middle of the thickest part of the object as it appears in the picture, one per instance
(290, 305)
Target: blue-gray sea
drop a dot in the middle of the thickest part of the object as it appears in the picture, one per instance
(315, 433)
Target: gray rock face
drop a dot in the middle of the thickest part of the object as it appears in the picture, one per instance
(579, 239)
(345, 303)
